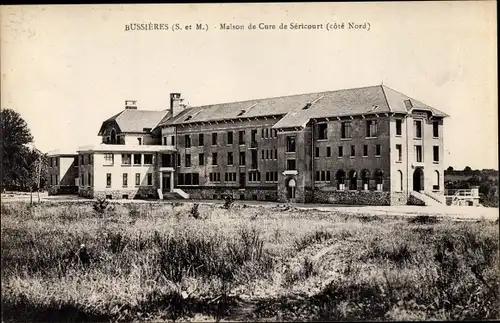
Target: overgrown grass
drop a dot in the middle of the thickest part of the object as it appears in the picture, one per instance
(168, 262)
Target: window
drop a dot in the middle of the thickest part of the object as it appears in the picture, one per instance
(418, 128)
(108, 159)
(435, 129)
(214, 139)
(267, 133)
(229, 158)
(254, 159)
(327, 175)
(137, 159)
(399, 122)
(137, 179)
(180, 179)
(196, 179)
(230, 138)
(323, 178)
(57, 179)
(435, 154)
(399, 151)
(242, 158)
(341, 151)
(267, 154)
(187, 160)
(164, 141)
(365, 150)
(214, 158)
(214, 177)
(150, 179)
(139, 141)
(125, 179)
(241, 137)
(345, 130)
(148, 159)
(316, 178)
(126, 159)
(253, 136)
(377, 150)
(173, 140)
(263, 154)
(108, 180)
(276, 154)
(371, 128)
(201, 139)
(89, 182)
(254, 176)
(290, 164)
(435, 185)
(353, 150)
(290, 144)
(201, 159)
(328, 152)
(418, 153)
(187, 141)
(316, 152)
(178, 160)
(400, 182)
(322, 131)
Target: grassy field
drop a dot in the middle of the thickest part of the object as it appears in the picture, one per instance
(184, 262)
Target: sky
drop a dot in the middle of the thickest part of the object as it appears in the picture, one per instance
(67, 68)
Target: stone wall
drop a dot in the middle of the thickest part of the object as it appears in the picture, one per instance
(352, 197)
(399, 198)
(215, 193)
(140, 193)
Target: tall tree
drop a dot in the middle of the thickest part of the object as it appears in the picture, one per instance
(17, 159)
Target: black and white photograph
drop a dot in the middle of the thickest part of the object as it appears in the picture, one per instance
(249, 162)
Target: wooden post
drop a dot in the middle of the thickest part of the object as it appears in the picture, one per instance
(38, 180)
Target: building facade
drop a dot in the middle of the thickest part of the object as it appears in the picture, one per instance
(370, 145)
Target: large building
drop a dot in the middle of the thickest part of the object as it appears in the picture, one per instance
(370, 145)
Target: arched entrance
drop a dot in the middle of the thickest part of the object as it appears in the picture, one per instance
(418, 180)
(340, 177)
(291, 184)
(365, 179)
(353, 180)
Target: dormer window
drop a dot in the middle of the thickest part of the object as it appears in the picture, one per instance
(242, 112)
(307, 106)
(188, 118)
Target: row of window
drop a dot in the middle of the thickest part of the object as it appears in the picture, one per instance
(372, 129)
(138, 179)
(215, 138)
(109, 159)
(419, 156)
(270, 154)
(340, 152)
(345, 129)
(215, 156)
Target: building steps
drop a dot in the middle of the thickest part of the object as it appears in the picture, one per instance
(438, 198)
(419, 199)
(181, 193)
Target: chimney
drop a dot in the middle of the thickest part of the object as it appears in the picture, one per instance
(131, 105)
(175, 104)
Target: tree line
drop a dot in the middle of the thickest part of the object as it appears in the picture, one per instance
(24, 168)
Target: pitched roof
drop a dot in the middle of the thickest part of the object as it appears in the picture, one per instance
(131, 120)
(372, 99)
